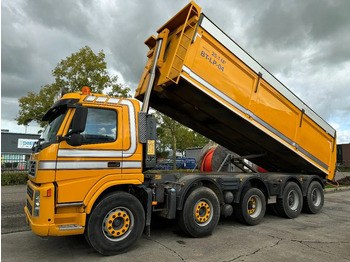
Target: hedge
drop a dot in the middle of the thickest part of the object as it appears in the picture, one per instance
(13, 178)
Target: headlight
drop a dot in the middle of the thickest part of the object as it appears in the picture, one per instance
(36, 204)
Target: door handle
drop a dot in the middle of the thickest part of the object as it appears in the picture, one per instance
(113, 164)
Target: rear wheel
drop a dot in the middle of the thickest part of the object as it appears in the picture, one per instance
(115, 223)
(313, 202)
(252, 206)
(201, 213)
(291, 203)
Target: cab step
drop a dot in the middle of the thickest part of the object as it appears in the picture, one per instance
(69, 227)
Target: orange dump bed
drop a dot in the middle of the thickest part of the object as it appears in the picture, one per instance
(207, 82)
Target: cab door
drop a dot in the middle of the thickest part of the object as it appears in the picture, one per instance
(80, 167)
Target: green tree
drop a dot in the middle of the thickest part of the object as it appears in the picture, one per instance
(168, 130)
(84, 68)
(33, 106)
(175, 136)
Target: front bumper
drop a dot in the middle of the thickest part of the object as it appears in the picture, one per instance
(39, 229)
(52, 221)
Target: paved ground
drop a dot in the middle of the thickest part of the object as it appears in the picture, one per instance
(13, 199)
(321, 237)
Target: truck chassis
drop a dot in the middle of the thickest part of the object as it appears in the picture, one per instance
(197, 200)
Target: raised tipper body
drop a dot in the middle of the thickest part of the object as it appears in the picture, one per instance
(206, 81)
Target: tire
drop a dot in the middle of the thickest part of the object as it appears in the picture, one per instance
(200, 214)
(252, 207)
(85, 232)
(314, 199)
(115, 224)
(291, 203)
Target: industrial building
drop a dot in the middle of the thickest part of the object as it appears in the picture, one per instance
(343, 155)
(15, 150)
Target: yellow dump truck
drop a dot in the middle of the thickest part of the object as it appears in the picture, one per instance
(87, 173)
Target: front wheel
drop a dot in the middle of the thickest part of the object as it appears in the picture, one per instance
(201, 213)
(313, 202)
(115, 223)
(252, 206)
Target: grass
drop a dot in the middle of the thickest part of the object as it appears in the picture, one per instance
(13, 178)
(329, 186)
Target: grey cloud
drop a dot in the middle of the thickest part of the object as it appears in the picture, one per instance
(295, 25)
(67, 15)
(20, 63)
(335, 52)
(326, 18)
(130, 27)
(9, 109)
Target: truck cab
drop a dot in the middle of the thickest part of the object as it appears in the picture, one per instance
(90, 143)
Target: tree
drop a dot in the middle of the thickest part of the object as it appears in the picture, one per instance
(175, 136)
(33, 106)
(84, 68)
(167, 132)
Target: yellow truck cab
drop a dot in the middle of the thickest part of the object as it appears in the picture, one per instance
(67, 175)
(87, 172)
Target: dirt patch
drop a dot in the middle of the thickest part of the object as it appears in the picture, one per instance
(344, 181)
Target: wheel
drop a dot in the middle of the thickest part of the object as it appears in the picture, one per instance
(291, 203)
(201, 213)
(115, 223)
(252, 206)
(313, 202)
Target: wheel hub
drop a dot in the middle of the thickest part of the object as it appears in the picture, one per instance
(293, 200)
(118, 223)
(202, 212)
(316, 197)
(251, 205)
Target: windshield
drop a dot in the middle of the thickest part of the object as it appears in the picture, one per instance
(50, 131)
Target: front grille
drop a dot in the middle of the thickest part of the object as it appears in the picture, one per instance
(29, 206)
(30, 192)
(32, 168)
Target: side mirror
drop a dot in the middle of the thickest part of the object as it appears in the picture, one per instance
(79, 120)
(75, 139)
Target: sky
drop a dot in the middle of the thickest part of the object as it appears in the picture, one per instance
(305, 44)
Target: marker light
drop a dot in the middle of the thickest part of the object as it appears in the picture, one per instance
(86, 90)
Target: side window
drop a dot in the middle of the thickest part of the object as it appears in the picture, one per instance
(101, 126)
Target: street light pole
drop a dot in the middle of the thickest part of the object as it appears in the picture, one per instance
(26, 124)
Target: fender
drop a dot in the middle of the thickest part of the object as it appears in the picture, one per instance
(107, 182)
(247, 180)
(190, 181)
(307, 181)
(285, 180)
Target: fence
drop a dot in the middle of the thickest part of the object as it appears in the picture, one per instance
(14, 162)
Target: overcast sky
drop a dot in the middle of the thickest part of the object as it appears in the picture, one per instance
(305, 44)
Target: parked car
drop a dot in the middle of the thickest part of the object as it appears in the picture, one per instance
(181, 163)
